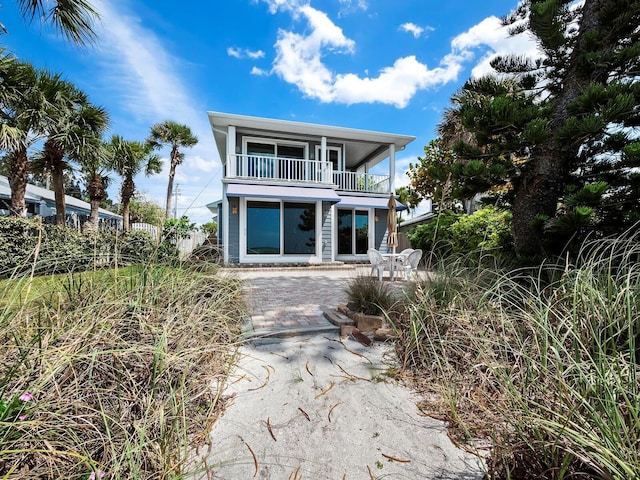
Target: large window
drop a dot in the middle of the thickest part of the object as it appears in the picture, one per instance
(281, 227)
(299, 228)
(263, 228)
(353, 232)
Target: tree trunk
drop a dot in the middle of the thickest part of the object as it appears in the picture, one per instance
(542, 184)
(127, 192)
(57, 180)
(95, 189)
(18, 165)
(54, 159)
(172, 174)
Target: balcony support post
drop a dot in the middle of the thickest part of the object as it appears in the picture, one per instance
(230, 161)
(392, 168)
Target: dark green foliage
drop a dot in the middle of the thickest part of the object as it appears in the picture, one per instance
(26, 245)
(436, 235)
(172, 231)
(210, 228)
(369, 296)
(555, 137)
(18, 239)
(136, 246)
(486, 230)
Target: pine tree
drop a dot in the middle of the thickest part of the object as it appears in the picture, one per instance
(560, 132)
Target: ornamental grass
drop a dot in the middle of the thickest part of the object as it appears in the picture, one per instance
(537, 370)
(111, 373)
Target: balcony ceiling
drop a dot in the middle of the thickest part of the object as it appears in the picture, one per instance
(361, 145)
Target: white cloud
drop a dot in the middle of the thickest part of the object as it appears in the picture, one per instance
(412, 28)
(492, 35)
(416, 30)
(244, 53)
(302, 59)
(285, 5)
(196, 162)
(259, 72)
(349, 6)
(255, 54)
(234, 52)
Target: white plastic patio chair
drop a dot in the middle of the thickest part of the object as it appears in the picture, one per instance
(400, 262)
(410, 264)
(378, 262)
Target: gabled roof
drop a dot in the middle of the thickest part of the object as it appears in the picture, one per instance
(361, 145)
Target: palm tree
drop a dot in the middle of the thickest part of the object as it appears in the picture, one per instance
(72, 18)
(129, 158)
(176, 135)
(95, 169)
(23, 111)
(72, 124)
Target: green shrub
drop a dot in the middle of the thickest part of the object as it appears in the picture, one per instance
(486, 229)
(18, 240)
(435, 236)
(469, 235)
(26, 245)
(136, 246)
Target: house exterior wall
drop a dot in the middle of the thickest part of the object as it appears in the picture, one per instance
(327, 246)
(380, 229)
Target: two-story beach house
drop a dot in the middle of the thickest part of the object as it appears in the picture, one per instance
(301, 193)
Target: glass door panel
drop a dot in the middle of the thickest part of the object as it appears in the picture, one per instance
(259, 161)
(362, 231)
(345, 232)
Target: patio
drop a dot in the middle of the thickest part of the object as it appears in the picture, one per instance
(291, 301)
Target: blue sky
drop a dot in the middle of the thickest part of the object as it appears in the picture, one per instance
(371, 64)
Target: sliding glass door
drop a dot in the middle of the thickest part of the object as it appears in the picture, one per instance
(353, 231)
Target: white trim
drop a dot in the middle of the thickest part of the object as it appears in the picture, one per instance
(325, 158)
(370, 234)
(392, 168)
(225, 224)
(281, 257)
(334, 237)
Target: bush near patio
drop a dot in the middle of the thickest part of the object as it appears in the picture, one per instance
(111, 372)
(538, 367)
(485, 230)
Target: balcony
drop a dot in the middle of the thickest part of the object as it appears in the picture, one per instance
(252, 167)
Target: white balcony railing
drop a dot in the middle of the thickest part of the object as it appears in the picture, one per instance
(361, 182)
(264, 167)
(297, 170)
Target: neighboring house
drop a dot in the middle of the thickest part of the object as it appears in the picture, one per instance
(301, 193)
(41, 202)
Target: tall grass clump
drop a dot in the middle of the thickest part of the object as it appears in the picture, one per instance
(111, 371)
(543, 363)
(369, 296)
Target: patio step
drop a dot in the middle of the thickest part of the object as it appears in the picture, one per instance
(337, 318)
(270, 335)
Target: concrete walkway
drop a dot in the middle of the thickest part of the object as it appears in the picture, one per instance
(315, 406)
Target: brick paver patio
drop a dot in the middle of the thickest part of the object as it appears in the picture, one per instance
(294, 298)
